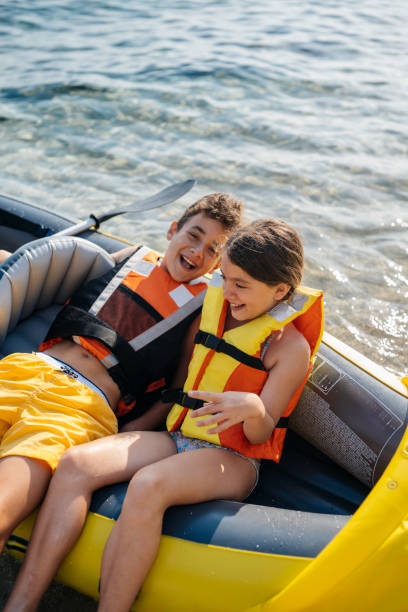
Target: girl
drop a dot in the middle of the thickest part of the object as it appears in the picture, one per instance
(251, 359)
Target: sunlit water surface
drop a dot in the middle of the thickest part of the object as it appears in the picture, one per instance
(299, 108)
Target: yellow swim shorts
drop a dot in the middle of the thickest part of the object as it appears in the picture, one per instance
(43, 411)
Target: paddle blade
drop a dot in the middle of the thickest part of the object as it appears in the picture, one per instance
(166, 196)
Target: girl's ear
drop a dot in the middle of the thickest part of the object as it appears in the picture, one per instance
(172, 230)
(281, 291)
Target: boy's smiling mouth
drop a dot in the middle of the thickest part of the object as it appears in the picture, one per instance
(187, 263)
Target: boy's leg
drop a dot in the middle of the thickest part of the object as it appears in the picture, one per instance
(189, 477)
(81, 471)
(23, 484)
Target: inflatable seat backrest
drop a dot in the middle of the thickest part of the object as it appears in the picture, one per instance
(45, 273)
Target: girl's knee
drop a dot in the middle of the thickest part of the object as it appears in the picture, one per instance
(148, 484)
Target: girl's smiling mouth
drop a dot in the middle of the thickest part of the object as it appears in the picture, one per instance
(237, 306)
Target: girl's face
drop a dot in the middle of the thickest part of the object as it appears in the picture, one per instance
(248, 298)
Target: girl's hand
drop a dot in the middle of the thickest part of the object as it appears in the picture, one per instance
(227, 409)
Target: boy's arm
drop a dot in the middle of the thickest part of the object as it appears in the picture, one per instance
(157, 413)
(150, 420)
(3, 255)
(119, 256)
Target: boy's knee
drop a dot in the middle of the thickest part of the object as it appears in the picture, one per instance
(73, 464)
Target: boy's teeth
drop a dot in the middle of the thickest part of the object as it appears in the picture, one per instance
(190, 263)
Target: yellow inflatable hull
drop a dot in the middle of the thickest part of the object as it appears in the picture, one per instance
(363, 568)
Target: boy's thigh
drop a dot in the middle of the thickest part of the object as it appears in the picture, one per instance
(23, 483)
(117, 458)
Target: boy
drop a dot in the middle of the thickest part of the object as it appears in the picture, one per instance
(116, 341)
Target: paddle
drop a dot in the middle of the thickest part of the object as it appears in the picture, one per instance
(166, 196)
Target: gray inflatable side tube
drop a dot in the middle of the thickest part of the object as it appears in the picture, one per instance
(350, 415)
(45, 272)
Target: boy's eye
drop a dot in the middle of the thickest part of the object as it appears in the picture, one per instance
(213, 252)
(193, 235)
(239, 286)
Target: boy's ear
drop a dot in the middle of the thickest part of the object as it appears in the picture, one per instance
(215, 265)
(172, 230)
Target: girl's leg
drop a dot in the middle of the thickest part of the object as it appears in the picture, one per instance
(189, 477)
(81, 471)
(23, 484)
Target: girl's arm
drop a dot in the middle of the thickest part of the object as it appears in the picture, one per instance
(287, 360)
(157, 413)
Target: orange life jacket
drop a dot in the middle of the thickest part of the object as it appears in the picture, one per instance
(224, 361)
(133, 319)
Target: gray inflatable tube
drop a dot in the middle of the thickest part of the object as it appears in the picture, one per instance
(37, 280)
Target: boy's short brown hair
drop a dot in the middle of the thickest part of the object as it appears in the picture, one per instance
(218, 206)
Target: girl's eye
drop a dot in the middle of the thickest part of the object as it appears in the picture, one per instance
(193, 235)
(212, 252)
(239, 286)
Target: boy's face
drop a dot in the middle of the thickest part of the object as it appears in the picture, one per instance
(194, 249)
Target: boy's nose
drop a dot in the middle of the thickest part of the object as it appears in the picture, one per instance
(198, 251)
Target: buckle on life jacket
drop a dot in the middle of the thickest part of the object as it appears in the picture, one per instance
(208, 340)
(178, 396)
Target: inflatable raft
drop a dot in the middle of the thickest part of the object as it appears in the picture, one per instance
(326, 528)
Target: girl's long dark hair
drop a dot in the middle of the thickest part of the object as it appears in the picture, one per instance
(269, 250)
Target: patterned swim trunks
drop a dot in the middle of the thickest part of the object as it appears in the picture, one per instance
(187, 444)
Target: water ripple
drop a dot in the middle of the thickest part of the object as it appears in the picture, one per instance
(298, 108)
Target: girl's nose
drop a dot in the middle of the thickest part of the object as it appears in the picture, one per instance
(226, 290)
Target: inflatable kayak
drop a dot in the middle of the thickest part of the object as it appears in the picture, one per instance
(325, 529)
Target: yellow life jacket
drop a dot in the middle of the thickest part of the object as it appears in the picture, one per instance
(231, 361)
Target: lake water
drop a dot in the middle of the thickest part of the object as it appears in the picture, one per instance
(300, 108)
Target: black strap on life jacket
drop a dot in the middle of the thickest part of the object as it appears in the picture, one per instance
(74, 321)
(136, 368)
(220, 346)
(178, 396)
